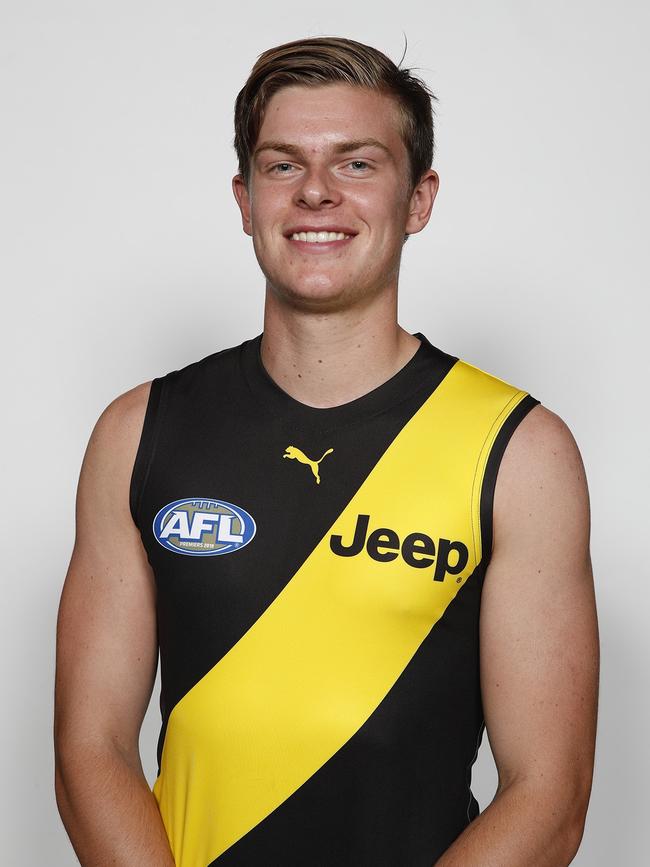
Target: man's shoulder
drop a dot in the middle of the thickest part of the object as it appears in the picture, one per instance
(539, 437)
(116, 433)
(541, 470)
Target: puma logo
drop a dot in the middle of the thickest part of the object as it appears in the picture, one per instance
(295, 454)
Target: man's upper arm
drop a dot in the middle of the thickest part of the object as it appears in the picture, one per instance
(106, 630)
(538, 624)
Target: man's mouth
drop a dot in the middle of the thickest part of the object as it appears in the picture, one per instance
(319, 237)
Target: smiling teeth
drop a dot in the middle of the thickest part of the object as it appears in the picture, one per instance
(319, 237)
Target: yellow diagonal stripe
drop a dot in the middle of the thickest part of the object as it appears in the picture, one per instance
(312, 669)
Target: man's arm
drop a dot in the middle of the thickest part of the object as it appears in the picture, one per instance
(106, 659)
(539, 656)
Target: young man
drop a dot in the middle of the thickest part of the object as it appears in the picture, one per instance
(308, 525)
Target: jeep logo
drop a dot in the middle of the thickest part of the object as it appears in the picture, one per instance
(417, 549)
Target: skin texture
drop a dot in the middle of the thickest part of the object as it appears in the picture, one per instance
(330, 335)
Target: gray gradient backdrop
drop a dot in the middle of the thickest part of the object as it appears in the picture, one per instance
(124, 258)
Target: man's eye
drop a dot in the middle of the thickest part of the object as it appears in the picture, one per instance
(359, 163)
(278, 166)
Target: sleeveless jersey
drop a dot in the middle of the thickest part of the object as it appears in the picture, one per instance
(318, 576)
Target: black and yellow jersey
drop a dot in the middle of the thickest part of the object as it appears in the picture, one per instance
(319, 575)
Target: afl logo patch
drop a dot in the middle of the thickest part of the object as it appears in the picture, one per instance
(203, 527)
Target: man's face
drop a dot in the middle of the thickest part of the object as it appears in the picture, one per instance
(330, 159)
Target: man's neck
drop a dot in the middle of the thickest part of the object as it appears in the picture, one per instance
(326, 360)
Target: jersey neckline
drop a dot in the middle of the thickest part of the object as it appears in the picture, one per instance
(400, 385)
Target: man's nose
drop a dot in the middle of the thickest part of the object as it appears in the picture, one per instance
(317, 188)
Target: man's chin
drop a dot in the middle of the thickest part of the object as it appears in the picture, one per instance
(311, 295)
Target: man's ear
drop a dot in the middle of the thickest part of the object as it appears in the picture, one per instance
(240, 190)
(421, 202)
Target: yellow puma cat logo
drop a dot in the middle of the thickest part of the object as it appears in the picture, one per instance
(295, 454)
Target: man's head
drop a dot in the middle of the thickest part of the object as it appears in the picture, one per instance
(332, 136)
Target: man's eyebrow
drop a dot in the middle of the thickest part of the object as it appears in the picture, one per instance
(340, 148)
(359, 143)
(284, 147)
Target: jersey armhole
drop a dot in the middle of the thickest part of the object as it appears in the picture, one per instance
(146, 447)
(492, 468)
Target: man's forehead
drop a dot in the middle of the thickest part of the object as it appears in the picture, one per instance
(329, 117)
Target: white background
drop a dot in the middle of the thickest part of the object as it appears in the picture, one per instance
(124, 259)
